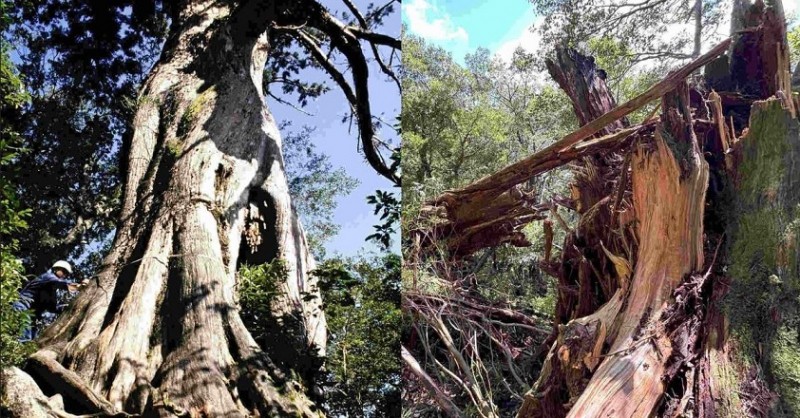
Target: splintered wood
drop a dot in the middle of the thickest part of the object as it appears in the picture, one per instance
(660, 345)
(639, 326)
(492, 211)
(668, 196)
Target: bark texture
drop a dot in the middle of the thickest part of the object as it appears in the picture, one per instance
(158, 333)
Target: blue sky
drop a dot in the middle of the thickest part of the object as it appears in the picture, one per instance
(333, 138)
(461, 26)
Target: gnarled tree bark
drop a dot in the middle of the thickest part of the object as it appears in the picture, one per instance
(205, 191)
(158, 332)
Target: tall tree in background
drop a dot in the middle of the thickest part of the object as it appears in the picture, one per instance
(314, 186)
(205, 189)
(659, 32)
(362, 304)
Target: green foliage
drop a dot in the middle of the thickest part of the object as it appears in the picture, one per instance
(794, 45)
(450, 129)
(314, 185)
(462, 123)
(258, 286)
(362, 307)
(510, 275)
(654, 30)
(282, 337)
(12, 216)
(388, 205)
(79, 111)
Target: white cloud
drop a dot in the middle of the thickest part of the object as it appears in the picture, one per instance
(427, 21)
(529, 39)
(790, 9)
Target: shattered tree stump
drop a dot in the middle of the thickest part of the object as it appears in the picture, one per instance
(680, 340)
(465, 220)
(696, 311)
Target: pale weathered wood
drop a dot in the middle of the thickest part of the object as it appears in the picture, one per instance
(443, 399)
(22, 398)
(669, 206)
(669, 178)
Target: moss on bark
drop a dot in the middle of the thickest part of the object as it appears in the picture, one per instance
(763, 304)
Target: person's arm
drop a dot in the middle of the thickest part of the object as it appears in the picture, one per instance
(74, 287)
(53, 280)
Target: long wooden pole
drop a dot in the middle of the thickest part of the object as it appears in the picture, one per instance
(524, 169)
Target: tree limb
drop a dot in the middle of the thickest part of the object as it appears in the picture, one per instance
(374, 39)
(43, 365)
(346, 40)
(438, 394)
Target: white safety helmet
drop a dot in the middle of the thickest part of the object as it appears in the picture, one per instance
(62, 265)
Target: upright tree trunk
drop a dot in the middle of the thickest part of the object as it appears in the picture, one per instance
(697, 12)
(159, 331)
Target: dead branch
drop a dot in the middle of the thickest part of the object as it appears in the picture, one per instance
(346, 40)
(438, 394)
(479, 310)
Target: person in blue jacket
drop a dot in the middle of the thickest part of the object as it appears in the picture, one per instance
(40, 295)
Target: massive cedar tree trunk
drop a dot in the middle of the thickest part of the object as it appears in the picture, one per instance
(158, 332)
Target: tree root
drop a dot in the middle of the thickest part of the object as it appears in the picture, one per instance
(21, 397)
(44, 367)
